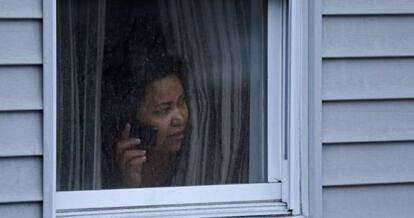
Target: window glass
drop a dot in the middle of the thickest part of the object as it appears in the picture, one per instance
(161, 93)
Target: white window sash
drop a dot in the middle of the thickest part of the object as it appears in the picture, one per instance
(226, 195)
(144, 197)
(275, 90)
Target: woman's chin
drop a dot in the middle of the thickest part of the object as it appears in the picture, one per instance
(170, 148)
(174, 148)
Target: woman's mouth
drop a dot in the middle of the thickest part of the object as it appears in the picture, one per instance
(177, 135)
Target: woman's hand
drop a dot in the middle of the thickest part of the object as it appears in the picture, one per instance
(130, 159)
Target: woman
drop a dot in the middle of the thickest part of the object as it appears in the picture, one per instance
(159, 101)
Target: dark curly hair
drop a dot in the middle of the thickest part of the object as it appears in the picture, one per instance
(144, 72)
(132, 64)
(146, 60)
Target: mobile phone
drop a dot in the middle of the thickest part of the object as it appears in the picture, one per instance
(146, 133)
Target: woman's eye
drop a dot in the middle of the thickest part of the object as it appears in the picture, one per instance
(161, 111)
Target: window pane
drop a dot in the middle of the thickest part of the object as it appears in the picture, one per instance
(185, 77)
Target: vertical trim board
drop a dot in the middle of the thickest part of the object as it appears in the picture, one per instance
(49, 107)
(313, 207)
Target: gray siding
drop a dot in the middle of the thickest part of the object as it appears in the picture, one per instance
(21, 87)
(368, 36)
(368, 121)
(21, 160)
(391, 201)
(21, 41)
(368, 78)
(21, 9)
(365, 7)
(368, 163)
(368, 108)
(20, 210)
(21, 179)
(21, 133)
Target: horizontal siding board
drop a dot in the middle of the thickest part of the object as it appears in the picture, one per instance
(381, 78)
(20, 88)
(21, 133)
(334, 7)
(368, 36)
(20, 8)
(383, 201)
(21, 42)
(21, 179)
(365, 121)
(368, 163)
(21, 210)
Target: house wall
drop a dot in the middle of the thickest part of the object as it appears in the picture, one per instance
(368, 108)
(367, 117)
(21, 108)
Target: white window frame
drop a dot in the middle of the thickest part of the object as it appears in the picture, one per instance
(287, 190)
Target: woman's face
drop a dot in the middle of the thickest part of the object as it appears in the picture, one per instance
(164, 108)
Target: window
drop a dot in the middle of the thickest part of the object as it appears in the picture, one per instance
(186, 78)
(211, 83)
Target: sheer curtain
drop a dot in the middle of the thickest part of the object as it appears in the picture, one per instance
(213, 37)
(81, 27)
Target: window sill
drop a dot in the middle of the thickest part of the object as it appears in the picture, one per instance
(196, 210)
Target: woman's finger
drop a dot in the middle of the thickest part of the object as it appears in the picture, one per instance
(130, 155)
(136, 164)
(127, 144)
(126, 131)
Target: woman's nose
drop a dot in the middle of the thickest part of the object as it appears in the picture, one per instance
(179, 117)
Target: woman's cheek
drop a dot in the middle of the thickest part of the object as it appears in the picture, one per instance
(161, 138)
